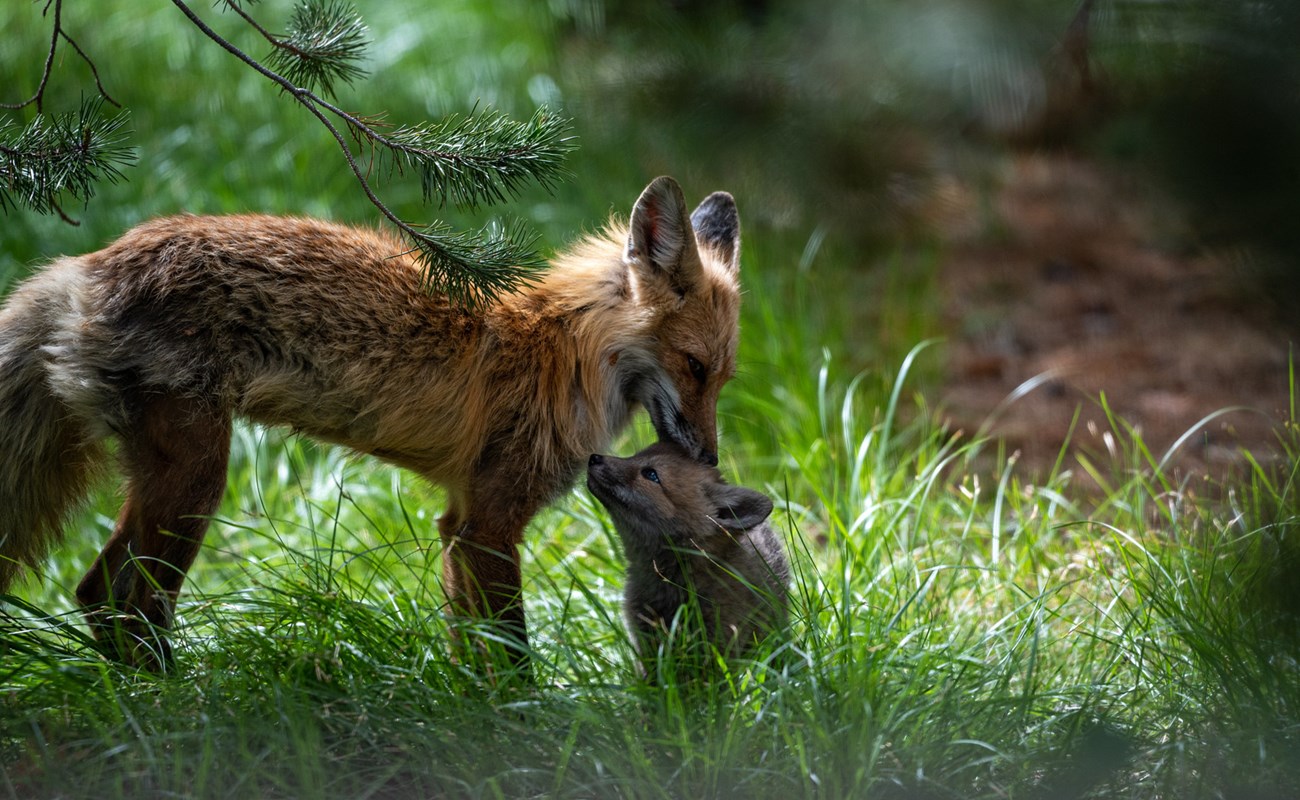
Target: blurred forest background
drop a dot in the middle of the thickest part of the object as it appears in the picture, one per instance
(1089, 204)
(1099, 195)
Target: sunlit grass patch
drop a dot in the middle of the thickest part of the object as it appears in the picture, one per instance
(953, 631)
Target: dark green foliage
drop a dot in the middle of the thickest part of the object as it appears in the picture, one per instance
(482, 157)
(324, 42)
(475, 267)
(57, 157)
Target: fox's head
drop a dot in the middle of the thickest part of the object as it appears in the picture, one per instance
(685, 271)
(661, 495)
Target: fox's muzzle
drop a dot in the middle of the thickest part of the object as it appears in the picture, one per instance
(597, 471)
(602, 478)
(673, 426)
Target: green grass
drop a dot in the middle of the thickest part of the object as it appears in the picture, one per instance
(958, 629)
(951, 637)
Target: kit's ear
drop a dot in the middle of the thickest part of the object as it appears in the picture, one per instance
(738, 508)
(660, 245)
(717, 227)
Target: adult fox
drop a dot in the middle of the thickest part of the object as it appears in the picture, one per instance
(162, 337)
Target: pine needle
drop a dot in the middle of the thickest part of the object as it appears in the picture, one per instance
(325, 40)
(61, 155)
(474, 268)
(482, 158)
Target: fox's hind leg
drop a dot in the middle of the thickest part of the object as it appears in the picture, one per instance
(175, 457)
(481, 572)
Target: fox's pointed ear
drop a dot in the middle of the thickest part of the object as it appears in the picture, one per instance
(717, 227)
(738, 508)
(659, 241)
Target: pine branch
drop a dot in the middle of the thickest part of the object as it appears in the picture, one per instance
(38, 97)
(475, 268)
(470, 268)
(481, 158)
(61, 154)
(325, 40)
(469, 161)
(94, 70)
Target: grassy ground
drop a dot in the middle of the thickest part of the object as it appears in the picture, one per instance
(958, 630)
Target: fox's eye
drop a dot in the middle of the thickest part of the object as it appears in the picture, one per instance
(697, 369)
(649, 474)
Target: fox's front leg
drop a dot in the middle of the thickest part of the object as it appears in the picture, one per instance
(481, 573)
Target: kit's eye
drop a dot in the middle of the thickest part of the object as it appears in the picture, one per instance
(697, 369)
(649, 474)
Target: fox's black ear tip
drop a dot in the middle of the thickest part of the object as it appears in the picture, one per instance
(718, 201)
(717, 225)
(717, 214)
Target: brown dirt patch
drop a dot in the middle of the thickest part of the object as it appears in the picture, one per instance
(1069, 276)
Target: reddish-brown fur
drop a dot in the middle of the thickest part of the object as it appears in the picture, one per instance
(166, 334)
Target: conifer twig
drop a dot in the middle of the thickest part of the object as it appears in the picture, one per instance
(39, 96)
(61, 154)
(468, 161)
(472, 269)
(57, 33)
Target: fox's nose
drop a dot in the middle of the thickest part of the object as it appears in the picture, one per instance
(596, 458)
(709, 459)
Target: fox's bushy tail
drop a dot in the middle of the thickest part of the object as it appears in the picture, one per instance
(48, 456)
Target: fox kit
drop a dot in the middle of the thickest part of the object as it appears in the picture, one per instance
(691, 541)
(162, 337)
